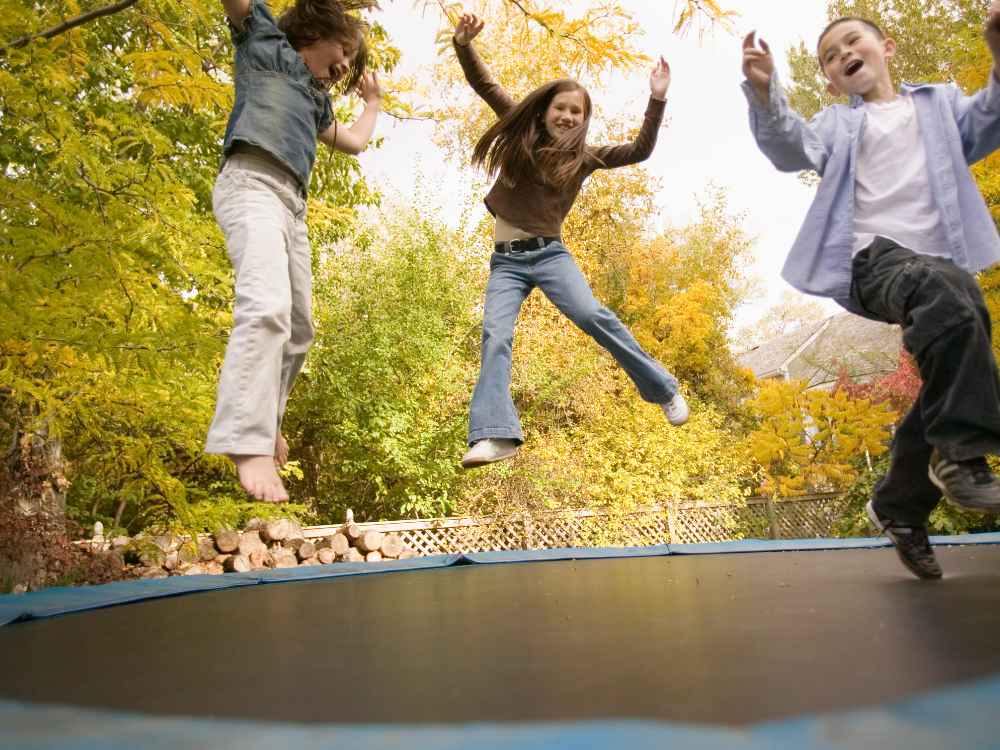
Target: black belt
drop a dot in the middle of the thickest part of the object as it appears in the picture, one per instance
(510, 247)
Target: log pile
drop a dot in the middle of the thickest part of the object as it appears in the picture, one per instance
(277, 543)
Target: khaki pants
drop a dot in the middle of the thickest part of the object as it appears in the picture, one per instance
(262, 214)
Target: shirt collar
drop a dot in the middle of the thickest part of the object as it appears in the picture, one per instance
(855, 100)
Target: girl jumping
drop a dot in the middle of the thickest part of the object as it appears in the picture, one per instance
(538, 150)
(283, 73)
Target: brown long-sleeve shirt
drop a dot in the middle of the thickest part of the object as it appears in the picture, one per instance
(533, 205)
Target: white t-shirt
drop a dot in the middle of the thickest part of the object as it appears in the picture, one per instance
(892, 194)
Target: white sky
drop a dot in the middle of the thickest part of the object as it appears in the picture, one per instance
(707, 141)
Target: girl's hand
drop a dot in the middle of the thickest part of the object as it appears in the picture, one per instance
(758, 66)
(659, 79)
(468, 28)
(368, 88)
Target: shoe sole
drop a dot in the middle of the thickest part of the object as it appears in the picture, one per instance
(477, 462)
(954, 501)
(873, 517)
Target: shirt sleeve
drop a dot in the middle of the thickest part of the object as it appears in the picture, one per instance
(978, 119)
(264, 46)
(609, 157)
(478, 76)
(784, 136)
(259, 24)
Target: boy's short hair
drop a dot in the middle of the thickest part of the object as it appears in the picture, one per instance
(844, 19)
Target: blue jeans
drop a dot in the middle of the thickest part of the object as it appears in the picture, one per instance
(552, 269)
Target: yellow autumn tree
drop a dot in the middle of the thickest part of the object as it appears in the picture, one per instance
(811, 440)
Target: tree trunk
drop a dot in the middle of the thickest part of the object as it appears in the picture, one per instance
(35, 481)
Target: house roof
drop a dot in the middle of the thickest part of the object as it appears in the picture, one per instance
(818, 352)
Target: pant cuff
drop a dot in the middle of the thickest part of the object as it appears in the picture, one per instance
(241, 449)
(907, 516)
(970, 450)
(506, 433)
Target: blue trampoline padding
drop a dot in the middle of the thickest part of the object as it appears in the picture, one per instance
(566, 553)
(964, 717)
(805, 545)
(60, 601)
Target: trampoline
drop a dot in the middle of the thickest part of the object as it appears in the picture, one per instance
(727, 645)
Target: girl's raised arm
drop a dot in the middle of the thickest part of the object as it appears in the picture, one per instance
(236, 11)
(641, 148)
(476, 72)
(354, 139)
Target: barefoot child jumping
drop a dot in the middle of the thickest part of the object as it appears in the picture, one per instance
(283, 73)
(895, 232)
(538, 150)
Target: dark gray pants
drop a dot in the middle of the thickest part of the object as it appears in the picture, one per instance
(946, 327)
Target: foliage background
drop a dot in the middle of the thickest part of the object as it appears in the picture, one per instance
(115, 291)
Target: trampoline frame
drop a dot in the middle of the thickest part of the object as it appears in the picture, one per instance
(963, 716)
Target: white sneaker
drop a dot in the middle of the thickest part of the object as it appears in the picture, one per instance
(488, 450)
(676, 410)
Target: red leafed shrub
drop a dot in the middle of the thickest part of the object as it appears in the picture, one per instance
(37, 551)
(898, 388)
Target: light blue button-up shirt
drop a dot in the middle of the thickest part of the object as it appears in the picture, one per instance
(957, 131)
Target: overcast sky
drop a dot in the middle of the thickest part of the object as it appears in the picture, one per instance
(706, 142)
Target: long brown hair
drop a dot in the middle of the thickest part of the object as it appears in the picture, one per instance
(310, 21)
(518, 145)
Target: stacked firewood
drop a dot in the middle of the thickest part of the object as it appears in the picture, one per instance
(278, 543)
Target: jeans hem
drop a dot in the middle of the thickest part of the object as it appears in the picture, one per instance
(232, 449)
(506, 433)
(905, 518)
(967, 451)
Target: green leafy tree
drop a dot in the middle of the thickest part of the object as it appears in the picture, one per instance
(379, 416)
(114, 286)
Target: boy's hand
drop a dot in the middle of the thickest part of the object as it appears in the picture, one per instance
(659, 79)
(468, 28)
(369, 89)
(758, 65)
(992, 33)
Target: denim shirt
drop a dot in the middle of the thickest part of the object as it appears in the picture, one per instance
(279, 107)
(957, 131)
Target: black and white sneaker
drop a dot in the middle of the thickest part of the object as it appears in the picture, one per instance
(911, 543)
(968, 484)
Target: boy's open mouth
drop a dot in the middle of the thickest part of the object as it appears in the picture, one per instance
(853, 67)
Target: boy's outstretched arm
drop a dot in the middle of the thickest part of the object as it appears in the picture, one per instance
(236, 11)
(978, 116)
(476, 73)
(786, 139)
(353, 140)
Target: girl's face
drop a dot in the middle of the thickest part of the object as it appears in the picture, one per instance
(567, 110)
(328, 60)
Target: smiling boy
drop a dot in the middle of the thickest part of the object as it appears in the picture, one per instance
(895, 232)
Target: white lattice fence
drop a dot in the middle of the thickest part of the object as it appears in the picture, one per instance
(802, 517)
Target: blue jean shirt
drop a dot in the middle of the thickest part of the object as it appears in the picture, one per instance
(957, 131)
(279, 106)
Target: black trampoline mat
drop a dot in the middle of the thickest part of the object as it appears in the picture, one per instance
(720, 639)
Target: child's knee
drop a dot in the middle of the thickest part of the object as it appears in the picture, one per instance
(588, 316)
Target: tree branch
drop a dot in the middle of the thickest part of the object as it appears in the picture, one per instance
(72, 23)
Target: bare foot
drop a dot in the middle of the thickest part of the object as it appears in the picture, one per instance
(260, 478)
(280, 451)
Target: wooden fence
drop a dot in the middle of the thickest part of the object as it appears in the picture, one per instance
(801, 517)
